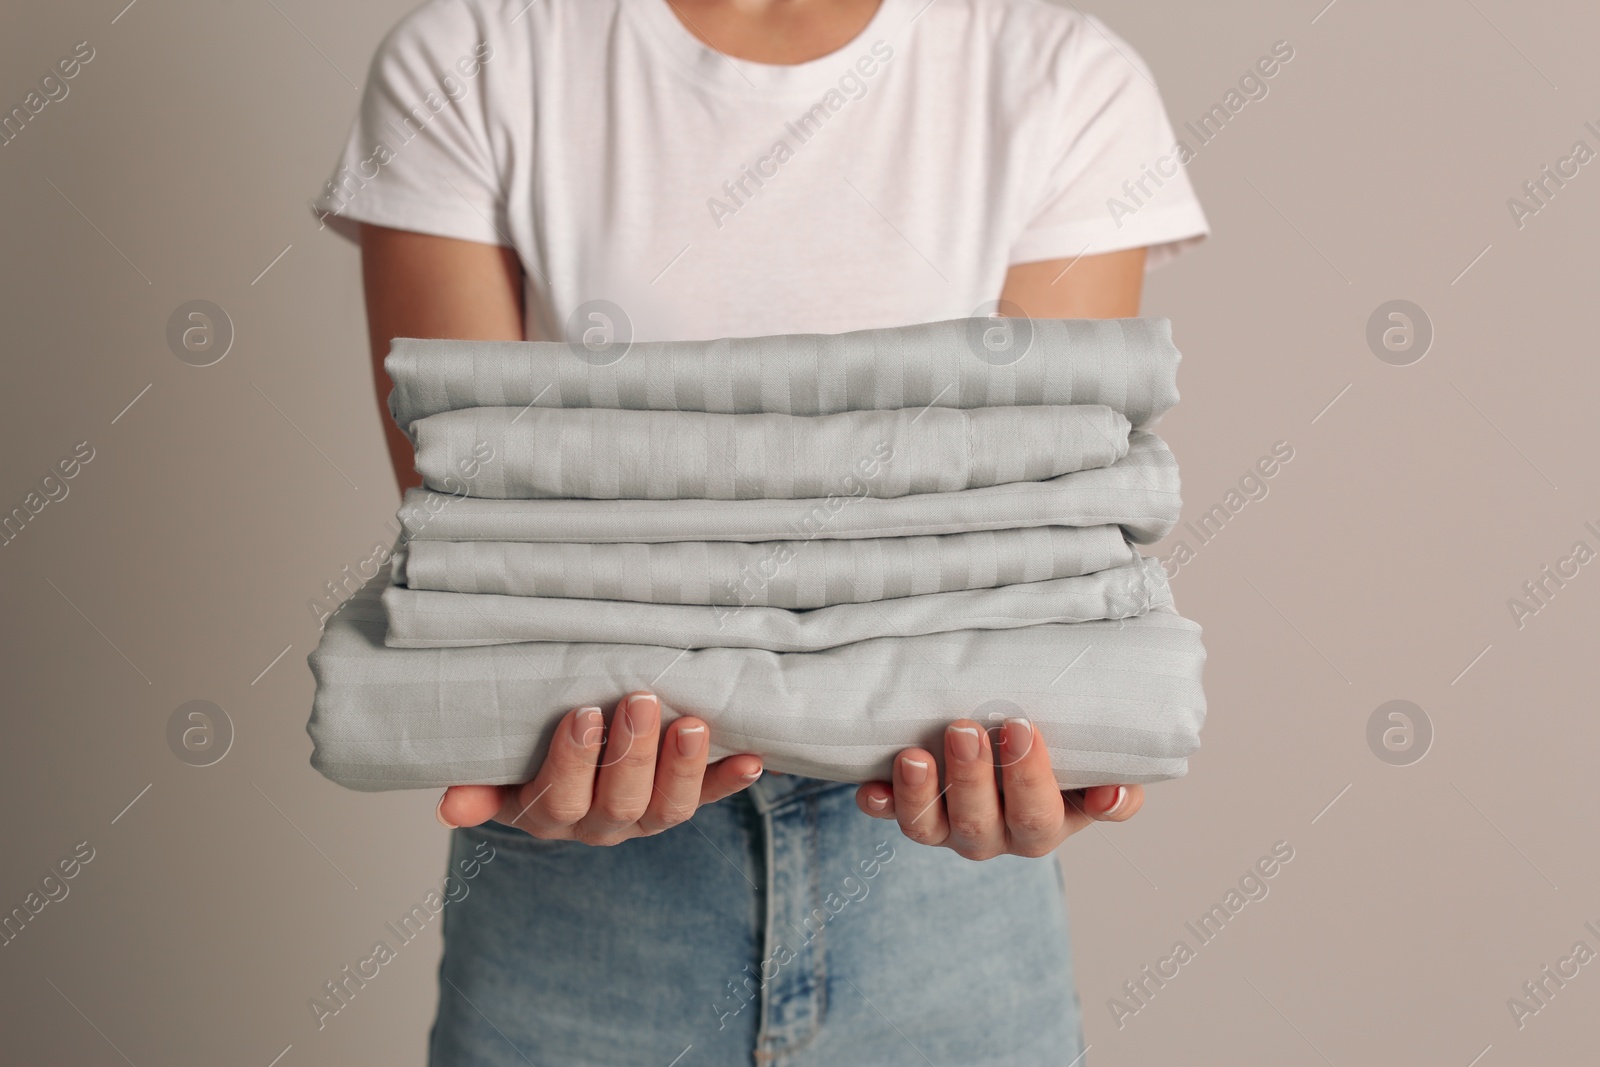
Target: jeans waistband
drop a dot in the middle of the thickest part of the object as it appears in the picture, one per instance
(774, 791)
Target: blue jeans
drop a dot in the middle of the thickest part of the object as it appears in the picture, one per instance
(778, 927)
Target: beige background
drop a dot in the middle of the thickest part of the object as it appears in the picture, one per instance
(1378, 567)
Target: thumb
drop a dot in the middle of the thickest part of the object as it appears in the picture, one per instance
(469, 805)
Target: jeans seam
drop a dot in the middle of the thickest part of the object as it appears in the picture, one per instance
(816, 945)
(770, 855)
(820, 971)
(768, 1052)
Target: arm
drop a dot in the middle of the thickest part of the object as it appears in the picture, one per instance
(1106, 286)
(969, 814)
(418, 285)
(599, 783)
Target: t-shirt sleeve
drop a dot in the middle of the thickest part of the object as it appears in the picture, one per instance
(420, 154)
(1114, 179)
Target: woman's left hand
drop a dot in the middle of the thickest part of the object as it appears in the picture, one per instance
(968, 814)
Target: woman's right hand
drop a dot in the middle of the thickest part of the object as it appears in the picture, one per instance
(601, 787)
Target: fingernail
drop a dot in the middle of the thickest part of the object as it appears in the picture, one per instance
(878, 803)
(588, 727)
(964, 743)
(438, 812)
(913, 771)
(638, 711)
(1019, 736)
(751, 776)
(691, 740)
(1117, 801)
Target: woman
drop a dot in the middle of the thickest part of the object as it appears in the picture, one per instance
(646, 169)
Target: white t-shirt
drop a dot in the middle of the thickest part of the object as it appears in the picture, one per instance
(694, 195)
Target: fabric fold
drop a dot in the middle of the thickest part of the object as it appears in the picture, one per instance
(1139, 492)
(1129, 365)
(1114, 702)
(812, 573)
(609, 454)
(423, 619)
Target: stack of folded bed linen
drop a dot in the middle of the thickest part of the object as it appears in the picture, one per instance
(827, 546)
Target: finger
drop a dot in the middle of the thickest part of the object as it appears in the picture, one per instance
(627, 773)
(679, 772)
(972, 799)
(1035, 814)
(559, 795)
(1101, 803)
(726, 777)
(1113, 803)
(876, 799)
(469, 805)
(918, 807)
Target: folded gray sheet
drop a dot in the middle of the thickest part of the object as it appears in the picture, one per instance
(1130, 365)
(780, 574)
(424, 619)
(1139, 492)
(1114, 701)
(607, 454)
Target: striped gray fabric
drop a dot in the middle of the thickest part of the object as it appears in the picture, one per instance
(814, 573)
(827, 546)
(424, 619)
(1129, 365)
(1139, 492)
(603, 454)
(1114, 701)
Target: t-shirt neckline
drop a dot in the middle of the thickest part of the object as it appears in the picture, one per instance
(761, 79)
